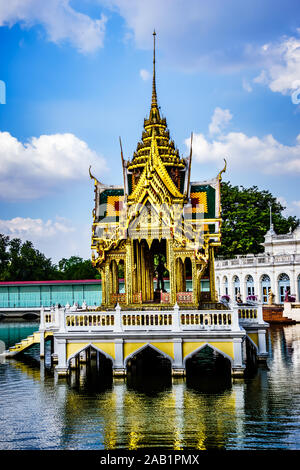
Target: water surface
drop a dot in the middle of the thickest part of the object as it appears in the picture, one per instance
(92, 411)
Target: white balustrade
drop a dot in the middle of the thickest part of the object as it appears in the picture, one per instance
(249, 313)
(48, 318)
(159, 320)
(86, 321)
(173, 320)
(257, 260)
(209, 320)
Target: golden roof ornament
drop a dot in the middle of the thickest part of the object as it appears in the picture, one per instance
(166, 148)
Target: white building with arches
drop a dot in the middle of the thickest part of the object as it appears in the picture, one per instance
(278, 268)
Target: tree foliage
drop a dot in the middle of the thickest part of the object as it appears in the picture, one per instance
(246, 219)
(77, 268)
(20, 261)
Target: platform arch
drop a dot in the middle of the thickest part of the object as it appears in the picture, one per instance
(219, 351)
(144, 346)
(86, 346)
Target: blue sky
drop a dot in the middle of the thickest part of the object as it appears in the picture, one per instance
(78, 76)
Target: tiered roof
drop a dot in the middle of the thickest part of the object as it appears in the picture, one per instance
(155, 128)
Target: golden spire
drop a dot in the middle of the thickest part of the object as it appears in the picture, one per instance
(190, 165)
(165, 146)
(154, 95)
(123, 166)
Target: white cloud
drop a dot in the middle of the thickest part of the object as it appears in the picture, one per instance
(145, 74)
(291, 208)
(262, 78)
(219, 120)
(197, 34)
(61, 22)
(282, 69)
(265, 155)
(142, 17)
(58, 238)
(34, 229)
(43, 163)
(246, 86)
(282, 201)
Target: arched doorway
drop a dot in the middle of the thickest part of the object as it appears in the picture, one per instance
(265, 287)
(283, 286)
(184, 281)
(149, 369)
(208, 368)
(90, 369)
(150, 275)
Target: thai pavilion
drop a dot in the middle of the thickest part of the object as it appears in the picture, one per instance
(157, 224)
(158, 232)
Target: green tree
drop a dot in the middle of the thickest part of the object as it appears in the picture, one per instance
(28, 264)
(246, 219)
(77, 268)
(4, 256)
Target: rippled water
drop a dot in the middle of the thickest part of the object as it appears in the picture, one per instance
(90, 411)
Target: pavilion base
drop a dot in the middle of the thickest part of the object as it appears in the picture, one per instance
(119, 372)
(61, 371)
(262, 357)
(54, 358)
(238, 372)
(178, 372)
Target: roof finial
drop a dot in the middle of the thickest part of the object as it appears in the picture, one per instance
(271, 230)
(123, 167)
(154, 96)
(190, 165)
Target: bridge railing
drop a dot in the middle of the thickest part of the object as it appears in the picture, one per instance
(175, 320)
(85, 320)
(49, 318)
(214, 319)
(249, 313)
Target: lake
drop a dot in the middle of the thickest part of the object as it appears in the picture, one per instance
(92, 411)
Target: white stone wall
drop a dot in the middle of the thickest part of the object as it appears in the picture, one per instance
(273, 271)
(282, 244)
(281, 256)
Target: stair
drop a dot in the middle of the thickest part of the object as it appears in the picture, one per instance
(23, 345)
(274, 314)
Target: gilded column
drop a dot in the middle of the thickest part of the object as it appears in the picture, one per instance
(195, 283)
(183, 287)
(115, 277)
(128, 270)
(177, 271)
(212, 281)
(172, 271)
(103, 285)
(198, 281)
(107, 283)
(103, 297)
(138, 265)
